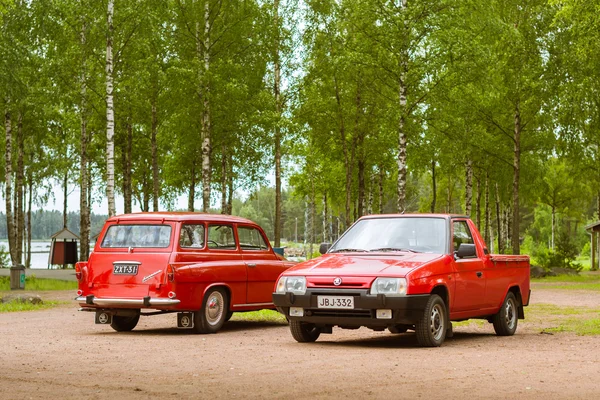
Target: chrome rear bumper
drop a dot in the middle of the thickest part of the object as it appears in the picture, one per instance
(145, 302)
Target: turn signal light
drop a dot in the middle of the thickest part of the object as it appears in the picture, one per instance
(170, 273)
(78, 269)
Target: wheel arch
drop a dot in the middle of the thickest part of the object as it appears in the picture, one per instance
(442, 291)
(516, 291)
(219, 285)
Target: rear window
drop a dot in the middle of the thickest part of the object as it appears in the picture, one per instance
(151, 236)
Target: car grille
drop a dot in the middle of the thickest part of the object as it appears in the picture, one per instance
(343, 286)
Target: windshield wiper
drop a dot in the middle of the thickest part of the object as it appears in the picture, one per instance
(348, 250)
(394, 249)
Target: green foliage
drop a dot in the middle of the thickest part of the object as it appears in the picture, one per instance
(452, 77)
(4, 257)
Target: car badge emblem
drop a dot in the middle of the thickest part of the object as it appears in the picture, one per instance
(152, 275)
(337, 281)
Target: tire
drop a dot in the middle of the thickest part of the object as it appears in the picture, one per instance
(228, 316)
(506, 320)
(122, 323)
(213, 313)
(304, 332)
(431, 328)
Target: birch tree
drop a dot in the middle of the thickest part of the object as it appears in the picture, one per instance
(110, 113)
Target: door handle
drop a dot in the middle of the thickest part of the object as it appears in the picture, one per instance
(479, 274)
(251, 265)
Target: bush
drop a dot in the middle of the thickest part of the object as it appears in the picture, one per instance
(586, 251)
(563, 256)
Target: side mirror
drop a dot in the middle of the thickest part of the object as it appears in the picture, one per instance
(324, 247)
(466, 250)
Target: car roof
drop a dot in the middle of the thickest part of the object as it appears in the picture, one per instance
(178, 216)
(414, 215)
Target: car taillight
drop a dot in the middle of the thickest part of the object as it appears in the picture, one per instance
(78, 270)
(170, 273)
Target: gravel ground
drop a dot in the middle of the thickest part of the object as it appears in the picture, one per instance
(61, 353)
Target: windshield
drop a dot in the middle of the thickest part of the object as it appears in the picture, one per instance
(426, 235)
(156, 236)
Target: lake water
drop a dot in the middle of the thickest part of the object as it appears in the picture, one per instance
(40, 251)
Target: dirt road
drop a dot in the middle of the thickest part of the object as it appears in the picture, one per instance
(60, 353)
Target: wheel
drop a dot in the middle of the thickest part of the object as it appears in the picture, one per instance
(228, 316)
(505, 321)
(431, 328)
(213, 313)
(304, 332)
(124, 323)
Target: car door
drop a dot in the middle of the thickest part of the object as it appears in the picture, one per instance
(263, 266)
(212, 253)
(470, 277)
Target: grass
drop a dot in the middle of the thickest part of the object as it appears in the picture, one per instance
(579, 320)
(259, 316)
(581, 286)
(584, 281)
(15, 306)
(33, 283)
(554, 319)
(581, 278)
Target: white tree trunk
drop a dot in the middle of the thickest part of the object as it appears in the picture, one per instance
(10, 222)
(154, 144)
(516, 245)
(402, 138)
(110, 115)
(206, 143)
(469, 188)
(278, 110)
(84, 222)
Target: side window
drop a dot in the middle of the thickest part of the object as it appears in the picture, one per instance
(221, 237)
(462, 234)
(251, 239)
(192, 236)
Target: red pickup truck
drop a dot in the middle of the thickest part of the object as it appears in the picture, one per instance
(203, 267)
(405, 272)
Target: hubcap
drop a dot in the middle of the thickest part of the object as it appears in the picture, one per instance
(437, 322)
(509, 314)
(214, 308)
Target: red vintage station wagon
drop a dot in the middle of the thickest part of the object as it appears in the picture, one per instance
(203, 267)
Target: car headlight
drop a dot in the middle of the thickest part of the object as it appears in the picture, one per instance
(292, 284)
(389, 286)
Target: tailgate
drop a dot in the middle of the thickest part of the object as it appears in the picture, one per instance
(126, 275)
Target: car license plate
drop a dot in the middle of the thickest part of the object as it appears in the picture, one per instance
(125, 269)
(335, 302)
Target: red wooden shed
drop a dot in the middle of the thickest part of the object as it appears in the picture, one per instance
(63, 249)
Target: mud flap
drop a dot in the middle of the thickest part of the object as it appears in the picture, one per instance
(185, 320)
(103, 317)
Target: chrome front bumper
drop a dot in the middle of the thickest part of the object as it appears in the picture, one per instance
(145, 302)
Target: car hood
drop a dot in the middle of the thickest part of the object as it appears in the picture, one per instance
(364, 264)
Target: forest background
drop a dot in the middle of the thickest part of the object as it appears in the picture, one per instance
(304, 115)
